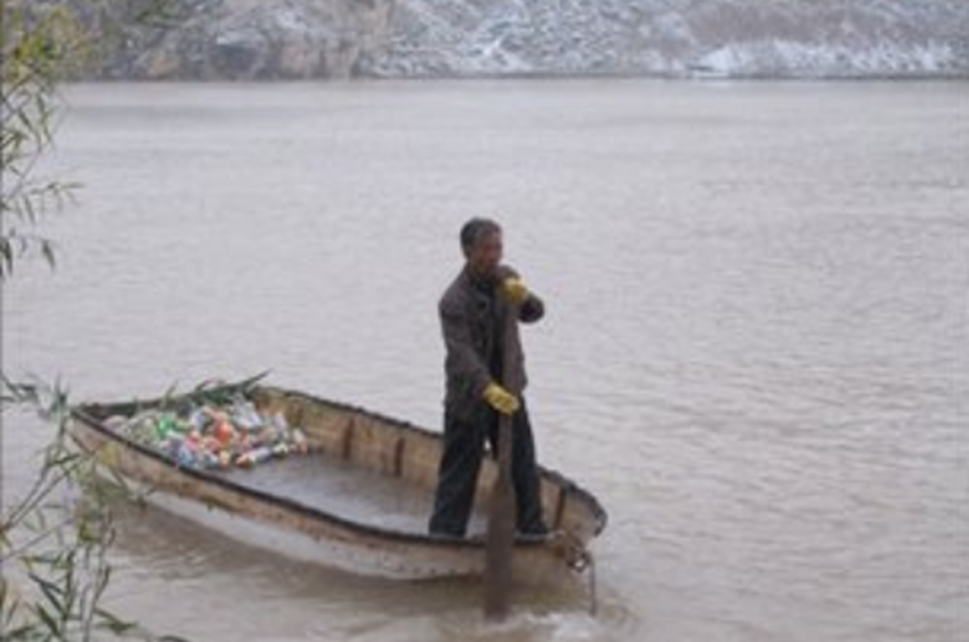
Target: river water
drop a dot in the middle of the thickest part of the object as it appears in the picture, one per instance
(756, 352)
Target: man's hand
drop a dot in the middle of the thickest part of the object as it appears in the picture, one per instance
(514, 290)
(500, 399)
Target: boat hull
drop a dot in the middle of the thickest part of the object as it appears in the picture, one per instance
(302, 532)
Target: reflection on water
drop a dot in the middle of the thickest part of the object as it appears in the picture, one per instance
(755, 352)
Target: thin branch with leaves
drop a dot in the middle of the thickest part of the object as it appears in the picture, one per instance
(54, 541)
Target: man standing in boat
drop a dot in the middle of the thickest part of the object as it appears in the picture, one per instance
(473, 313)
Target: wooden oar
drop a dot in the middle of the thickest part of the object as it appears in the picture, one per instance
(500, 540)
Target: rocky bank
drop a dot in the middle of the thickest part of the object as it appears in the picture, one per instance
(295, 39)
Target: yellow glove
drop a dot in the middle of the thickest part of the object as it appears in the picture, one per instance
(514, 290)
(500, 399)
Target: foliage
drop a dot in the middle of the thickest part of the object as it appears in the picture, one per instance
(54, 541)
(56, 538)
(66, 521)
(42, 43)
(39, 45)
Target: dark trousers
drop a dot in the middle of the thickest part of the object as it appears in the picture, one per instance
(464, 445)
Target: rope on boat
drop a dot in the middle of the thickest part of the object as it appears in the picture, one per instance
(580, 560)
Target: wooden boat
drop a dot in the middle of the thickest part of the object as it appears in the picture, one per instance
(339, 435)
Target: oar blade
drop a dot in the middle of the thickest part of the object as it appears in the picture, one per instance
(500, 542)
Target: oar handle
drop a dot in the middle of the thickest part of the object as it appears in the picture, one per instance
(500, 540)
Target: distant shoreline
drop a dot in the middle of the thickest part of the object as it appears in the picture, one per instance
(699, 76)
(423, 40)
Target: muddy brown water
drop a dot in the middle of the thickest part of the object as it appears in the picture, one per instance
(756, 352)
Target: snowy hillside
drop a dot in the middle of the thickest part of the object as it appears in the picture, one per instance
(732, 37)
(244, 39)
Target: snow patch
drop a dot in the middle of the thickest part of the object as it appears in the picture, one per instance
(785, 57)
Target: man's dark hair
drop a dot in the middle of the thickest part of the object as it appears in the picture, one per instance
(475, 230)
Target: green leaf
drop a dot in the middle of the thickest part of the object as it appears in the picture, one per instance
(49, 621)
(52, 592)
(112, 622)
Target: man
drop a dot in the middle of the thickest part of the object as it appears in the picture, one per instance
(473, 314)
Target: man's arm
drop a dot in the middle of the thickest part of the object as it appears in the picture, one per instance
(461, 360)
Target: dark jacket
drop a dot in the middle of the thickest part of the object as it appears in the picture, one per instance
(472, 321)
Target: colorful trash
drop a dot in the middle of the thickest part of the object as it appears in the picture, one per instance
(211, 437)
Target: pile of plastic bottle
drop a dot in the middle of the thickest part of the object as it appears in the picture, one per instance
(209, 436)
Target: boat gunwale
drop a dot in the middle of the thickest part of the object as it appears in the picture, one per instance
(87, 413)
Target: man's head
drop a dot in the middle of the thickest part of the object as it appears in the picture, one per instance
(481, 243)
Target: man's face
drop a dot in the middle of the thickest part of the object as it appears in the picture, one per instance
(485, 255)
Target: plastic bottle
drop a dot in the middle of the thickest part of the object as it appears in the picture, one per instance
(279, 420)
(300, 444)
(194, 440)
(225, 459)
(255, 456)
(208, 459)
(224, 431)
(245, 416)
(171, 444)
(165, 426)
(280, 450)
(199, 419)
(185, 457)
